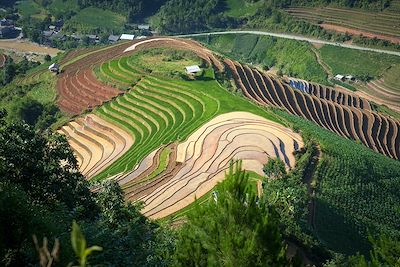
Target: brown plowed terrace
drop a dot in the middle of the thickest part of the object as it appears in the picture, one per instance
(79, 90)
(346, 115)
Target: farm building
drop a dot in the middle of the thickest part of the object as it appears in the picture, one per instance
(54, 67)
(47, 34)
(76, 37)
(339, 77)
(144, 27)
(59, 36)
(93, 38)
(113, 38)
(127, 37)
(192, 69)
(6, 22)
(6, 31)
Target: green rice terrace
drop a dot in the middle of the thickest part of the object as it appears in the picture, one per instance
(167, 136)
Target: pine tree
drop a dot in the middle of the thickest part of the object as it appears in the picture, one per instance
(232, 229)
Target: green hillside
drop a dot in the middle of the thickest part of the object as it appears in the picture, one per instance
(92, 19)
(291, 57)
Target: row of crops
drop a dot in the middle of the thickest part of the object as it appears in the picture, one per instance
(158, 110)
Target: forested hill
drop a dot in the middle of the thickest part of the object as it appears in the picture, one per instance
(136, 9)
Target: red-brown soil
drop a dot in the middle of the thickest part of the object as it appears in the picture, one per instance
(79, 90)
(352, 31)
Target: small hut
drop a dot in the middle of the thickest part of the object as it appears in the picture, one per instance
(54, 68)
(192, 69)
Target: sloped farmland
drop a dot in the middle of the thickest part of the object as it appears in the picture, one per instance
(200, 161)
(348, 116)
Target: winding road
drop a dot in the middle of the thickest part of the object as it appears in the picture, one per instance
(295, 37)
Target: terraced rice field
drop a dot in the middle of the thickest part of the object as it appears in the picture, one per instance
(3, 59)
(77, 87)
(349, 117)
(79, 90)
(198, 164)
(96, 143)
(156, 112)
(134, 138)
(32, 78)
(168, 141)
(383, 25)
(185, 44)
(384, 91)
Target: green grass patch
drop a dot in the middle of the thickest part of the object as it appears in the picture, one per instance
(29, 8)
(60, 7)
(92, 19)
(165, 61)
(354, 62)
(385, 110)
(391, 78)
(45, 90)
(242, 8)
(164, 159)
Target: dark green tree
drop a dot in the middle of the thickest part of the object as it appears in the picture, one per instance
(385, 252)
(47, 58)
(274, 168)
(9, 71)
(27, 110)
(232, 229)
(128, 238)
(43, 166)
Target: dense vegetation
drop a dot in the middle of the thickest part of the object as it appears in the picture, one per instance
(95, 20)
(40, 196)
(250, 235)
(12, 69)
(181, 16)
(135, 9)
(350, 180)
(28, 93)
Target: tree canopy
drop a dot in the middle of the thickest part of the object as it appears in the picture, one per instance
(232, 229)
